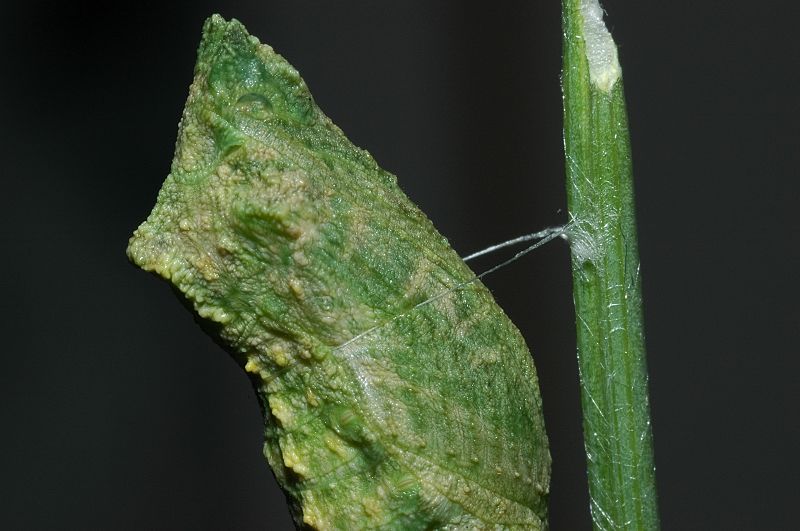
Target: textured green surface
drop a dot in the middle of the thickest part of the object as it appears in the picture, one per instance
(607, 286)
(309, 264)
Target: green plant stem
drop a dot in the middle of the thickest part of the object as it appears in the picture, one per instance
(605, 265)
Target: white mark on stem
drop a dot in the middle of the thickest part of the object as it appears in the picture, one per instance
(601, 51)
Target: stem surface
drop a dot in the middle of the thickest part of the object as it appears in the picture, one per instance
(605, 267)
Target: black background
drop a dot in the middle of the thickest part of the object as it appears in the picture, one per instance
(118, 413)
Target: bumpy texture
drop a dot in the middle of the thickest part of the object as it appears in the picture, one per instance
(308, 263)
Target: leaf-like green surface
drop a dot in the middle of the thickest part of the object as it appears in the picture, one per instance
(309, 264)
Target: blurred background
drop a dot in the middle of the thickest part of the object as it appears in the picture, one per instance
(117, 412)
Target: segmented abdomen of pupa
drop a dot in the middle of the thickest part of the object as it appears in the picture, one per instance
(396, 393)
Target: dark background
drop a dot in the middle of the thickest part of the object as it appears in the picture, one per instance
(117, 412)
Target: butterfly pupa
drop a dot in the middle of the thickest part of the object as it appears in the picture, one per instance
(309, 264)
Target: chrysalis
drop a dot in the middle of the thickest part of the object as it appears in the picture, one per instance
(396, 394)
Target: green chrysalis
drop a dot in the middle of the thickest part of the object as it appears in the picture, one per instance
(396, 393)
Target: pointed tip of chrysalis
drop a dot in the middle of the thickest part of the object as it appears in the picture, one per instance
(216, 24)
(240, 85)
(234, 67)
(218, 33)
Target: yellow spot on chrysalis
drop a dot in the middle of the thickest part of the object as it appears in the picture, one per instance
(212, 313)
(206, 267)
(297, 287)
(311, 398)
(281, 411)
(312, 518)
(294, 461)
(372, 507)
(278, 354)
(252, 366)
(335, 445)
